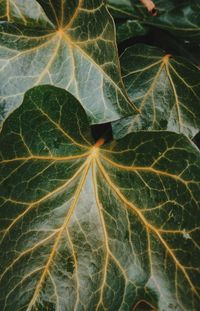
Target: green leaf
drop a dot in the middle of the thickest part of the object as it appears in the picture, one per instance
(134, 8)
(165, 90)
(86, 227)
(121, 8)
(23, 12)
(182, 21)
(181, 18)
(61, 43)
(130, 29)
(3, 10)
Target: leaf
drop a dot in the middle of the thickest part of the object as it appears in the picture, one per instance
(61, 43)
(180, 18)
(134, 9)
(4, 10)
(28, 13)
(130, 29)
(165, 89)
(88, 227)
(121, 8)
(182, 21)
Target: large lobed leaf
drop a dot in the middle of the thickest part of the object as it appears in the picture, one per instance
(85, 227)
(70, 44)
(165, 89)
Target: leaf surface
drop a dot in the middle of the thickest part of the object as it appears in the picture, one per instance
(182, 21)
(86, 227)
(121, 8)
(136, 10)
(130, 29)
(165, 89)
(61, 43)
(28, 13)
(180, 18)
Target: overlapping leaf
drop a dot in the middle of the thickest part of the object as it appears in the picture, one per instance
(86, 227)
(70, 44)
(181, 18)
(121, 8)
(135, 9)
(183, 21)
(130, 29)
(165, 89)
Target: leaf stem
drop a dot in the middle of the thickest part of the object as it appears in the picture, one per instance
(99, 142)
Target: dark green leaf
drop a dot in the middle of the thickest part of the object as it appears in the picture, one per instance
(183, 21)
(121, 8)
(165, 89)
(130, 29)
(181, 18)
(134, 8)
(86, 227)
(3, 10)
(61, 43)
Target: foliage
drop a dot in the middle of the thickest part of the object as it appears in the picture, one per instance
(45, 48)
(88, 222)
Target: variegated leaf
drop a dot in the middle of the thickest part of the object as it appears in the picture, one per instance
(92, 227)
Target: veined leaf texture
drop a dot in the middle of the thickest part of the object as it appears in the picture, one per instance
(165, 89)
(181, 18)
(91, 227)
(60, 43)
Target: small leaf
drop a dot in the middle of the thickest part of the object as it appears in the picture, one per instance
(95, 228)
(165, 89)
(61, 43)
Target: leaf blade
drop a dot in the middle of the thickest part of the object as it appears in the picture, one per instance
(95, 227)
(182, 20)
(69, 58)
(165, 90)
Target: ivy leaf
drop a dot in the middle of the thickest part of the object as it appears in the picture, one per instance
(91, 227)
(121, 8)
(61, 43)
(180, 18)
(28, 13)
(130, 29)
(183, 21)
(136, 10)
(165, 89)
